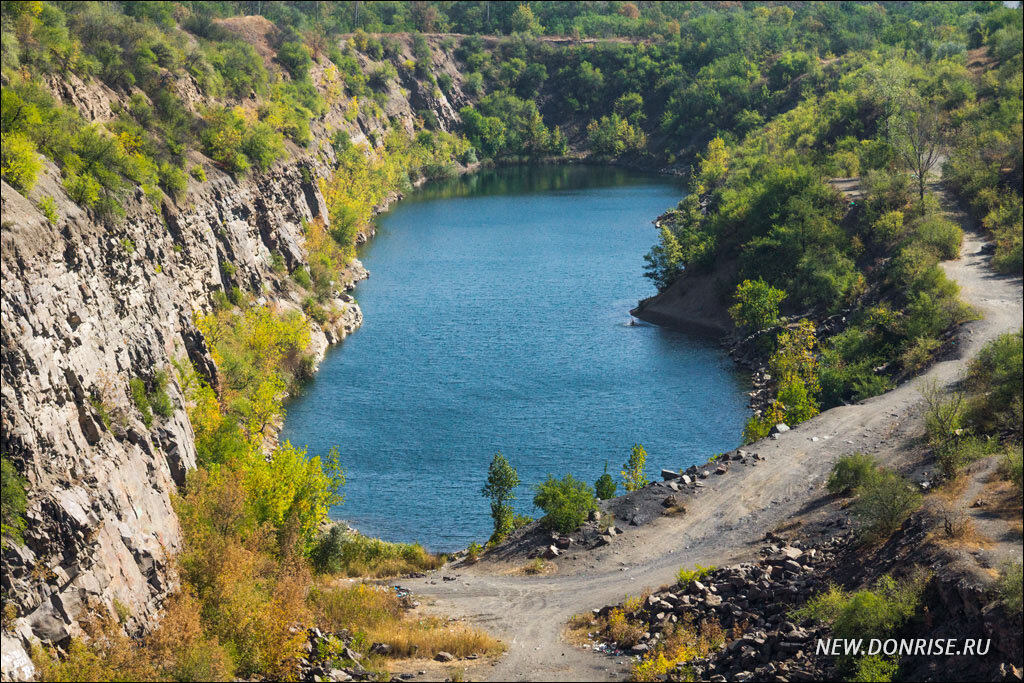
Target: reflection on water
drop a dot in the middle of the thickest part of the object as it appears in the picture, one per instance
(496, 318)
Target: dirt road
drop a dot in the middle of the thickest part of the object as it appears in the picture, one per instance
(724, 523)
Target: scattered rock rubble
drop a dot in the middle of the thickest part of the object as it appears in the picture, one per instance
(752, 602)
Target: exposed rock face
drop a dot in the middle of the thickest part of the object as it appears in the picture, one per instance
(88, 304)
(86, 307)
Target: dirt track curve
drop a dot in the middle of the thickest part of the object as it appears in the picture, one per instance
(723, 524)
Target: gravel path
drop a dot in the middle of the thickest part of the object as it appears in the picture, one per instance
(722, 524)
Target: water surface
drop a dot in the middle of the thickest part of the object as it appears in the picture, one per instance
(496, 320)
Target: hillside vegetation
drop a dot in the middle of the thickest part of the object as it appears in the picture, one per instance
(768, 101)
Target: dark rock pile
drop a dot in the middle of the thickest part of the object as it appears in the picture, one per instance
(752, 603)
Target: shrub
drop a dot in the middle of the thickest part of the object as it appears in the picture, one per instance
(1011, 587)
(874, 668)
(295, 57)
(605, 486)
(158, 398)
(757, 305)
(685, 577)
(918, 353)
(566, 503)
(1012, 467)
(351, 554)
(49, 209)
(850, 473)
(263, 145)
(19, 162)
(173, 180)
(883, 502)
(994, 381)
(198, 172)
(138, 392)
(940, 234)
(633, 475)
(301, 277)
(12, 503)
(879, 612)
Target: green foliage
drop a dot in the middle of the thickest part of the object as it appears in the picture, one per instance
(566, 503)
(879, 612)
(1011, 587)
(883, 502)
(665, 260)
(633, 476)
(502, 481)
(138, 391)
(757, 305)
(19, 162)
(994, 383)
(605, 487)
(874, 668)
(685, 577)
(351, 554)
(613, 136)
(13, 502)
(48, 207)
(851, 473)
(295, 58)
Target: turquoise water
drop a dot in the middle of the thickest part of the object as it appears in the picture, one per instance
(496, 320)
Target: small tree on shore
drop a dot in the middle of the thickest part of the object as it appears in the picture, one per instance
(633, 475)
(605, 486)
(502, 480)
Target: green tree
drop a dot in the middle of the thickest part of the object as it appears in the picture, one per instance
(664, 260)
(566, 503)
(757, 305)
(523, 20)
(502, 480)
(605, 486)
(633, 475)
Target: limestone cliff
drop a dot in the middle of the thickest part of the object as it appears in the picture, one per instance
(88, 304)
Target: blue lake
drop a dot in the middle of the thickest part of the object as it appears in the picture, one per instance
(496, 319)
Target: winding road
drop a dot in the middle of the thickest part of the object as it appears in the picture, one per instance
(723, 524)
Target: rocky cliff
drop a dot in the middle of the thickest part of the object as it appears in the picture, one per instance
(89, 304)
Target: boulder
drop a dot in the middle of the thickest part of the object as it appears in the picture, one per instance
(443, 656)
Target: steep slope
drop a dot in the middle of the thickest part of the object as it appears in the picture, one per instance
(88, 304)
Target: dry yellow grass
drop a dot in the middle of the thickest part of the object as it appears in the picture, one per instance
(378, 612)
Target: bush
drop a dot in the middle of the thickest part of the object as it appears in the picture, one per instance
(851, 472)
(138, 391)
(940, 234)
(48, 207)
(566, 503)
(348, 553)
(997, 395)
(633, 475)
(19, 162)
(173, 180)
(263, 146)
(1012, 467)
(757, 305)
(685, 576)
(301, 277)
(12, 503)
(295, 58)
(605, 486)
(1011, 587)
(883, 502)
(879, 612)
